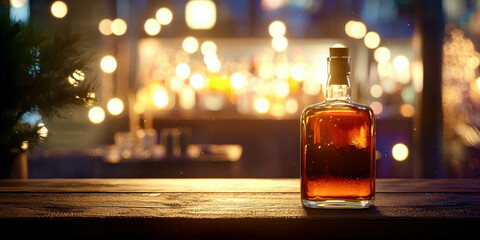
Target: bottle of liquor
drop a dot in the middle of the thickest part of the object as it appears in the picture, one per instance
(338, 144)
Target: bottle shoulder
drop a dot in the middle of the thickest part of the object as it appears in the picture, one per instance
(338, 106)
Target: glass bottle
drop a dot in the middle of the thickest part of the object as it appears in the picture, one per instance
(338, 144)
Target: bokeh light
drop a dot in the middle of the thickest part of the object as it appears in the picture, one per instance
(105, 27)
(59, 9)
(382, 54)
(164, 16)
(262, 105)
(277, 29)
(208, 47)
(176, 84)
(401, 63)
(279, 44)
(152, 27)
(355, 29)
(291, 105)
(407, 110)
(377, 107)
(200, 14)
(376, 91)
(115, 106)
(400, 152)
(187, 98)
(282, 89)
(119, 27)
(372, 40)
(197, 81)
(96, 115)
(478, 83)
(17, 3)
(182, 70)
(298, 72)
(160, 97)
(190, 44)
(108, 64)
(237, 80)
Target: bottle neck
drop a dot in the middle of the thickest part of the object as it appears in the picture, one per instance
(338, 84)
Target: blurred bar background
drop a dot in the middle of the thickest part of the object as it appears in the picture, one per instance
(207, 88)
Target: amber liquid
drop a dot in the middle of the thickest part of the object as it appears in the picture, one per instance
(338, 154)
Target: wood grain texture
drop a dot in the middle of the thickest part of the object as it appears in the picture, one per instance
(222, 185)
(233, 208)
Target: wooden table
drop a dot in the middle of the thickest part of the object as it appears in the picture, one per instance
(232, 208)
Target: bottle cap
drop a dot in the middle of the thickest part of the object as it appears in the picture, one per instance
(338, 52)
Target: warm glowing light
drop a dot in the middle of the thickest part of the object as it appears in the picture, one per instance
(105, 27)
(377, 107)
(59, 9)
(262, 105)
(208, 47)
(279, 44)
(119, 27)
(176, 84)
(407, 110)
(237, 80)
(197, 81)
(17, 3)
(282, 70)
(382, 54)
(338, 45)
(298, 72)
(417, 76)
(187, 98)
(152, 26)
(182, 70)
(266, 71)
(389, 85)
(76, 77)
(282, 89)
(160, 98)
(372, 40)
(400, 152)
(115, 106)
(213, 101)
(42, 131)
(400, 63)
(190, 44)
(200, 14)
(164, 16)
(277, 109)
(214, 66)
(376, 91)
(348, 28)
(277, 29)
(355, 29)
(96, 115)
(108, 64)
(385, 70)
(478, 83)
(291, 105)
(24, 145)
